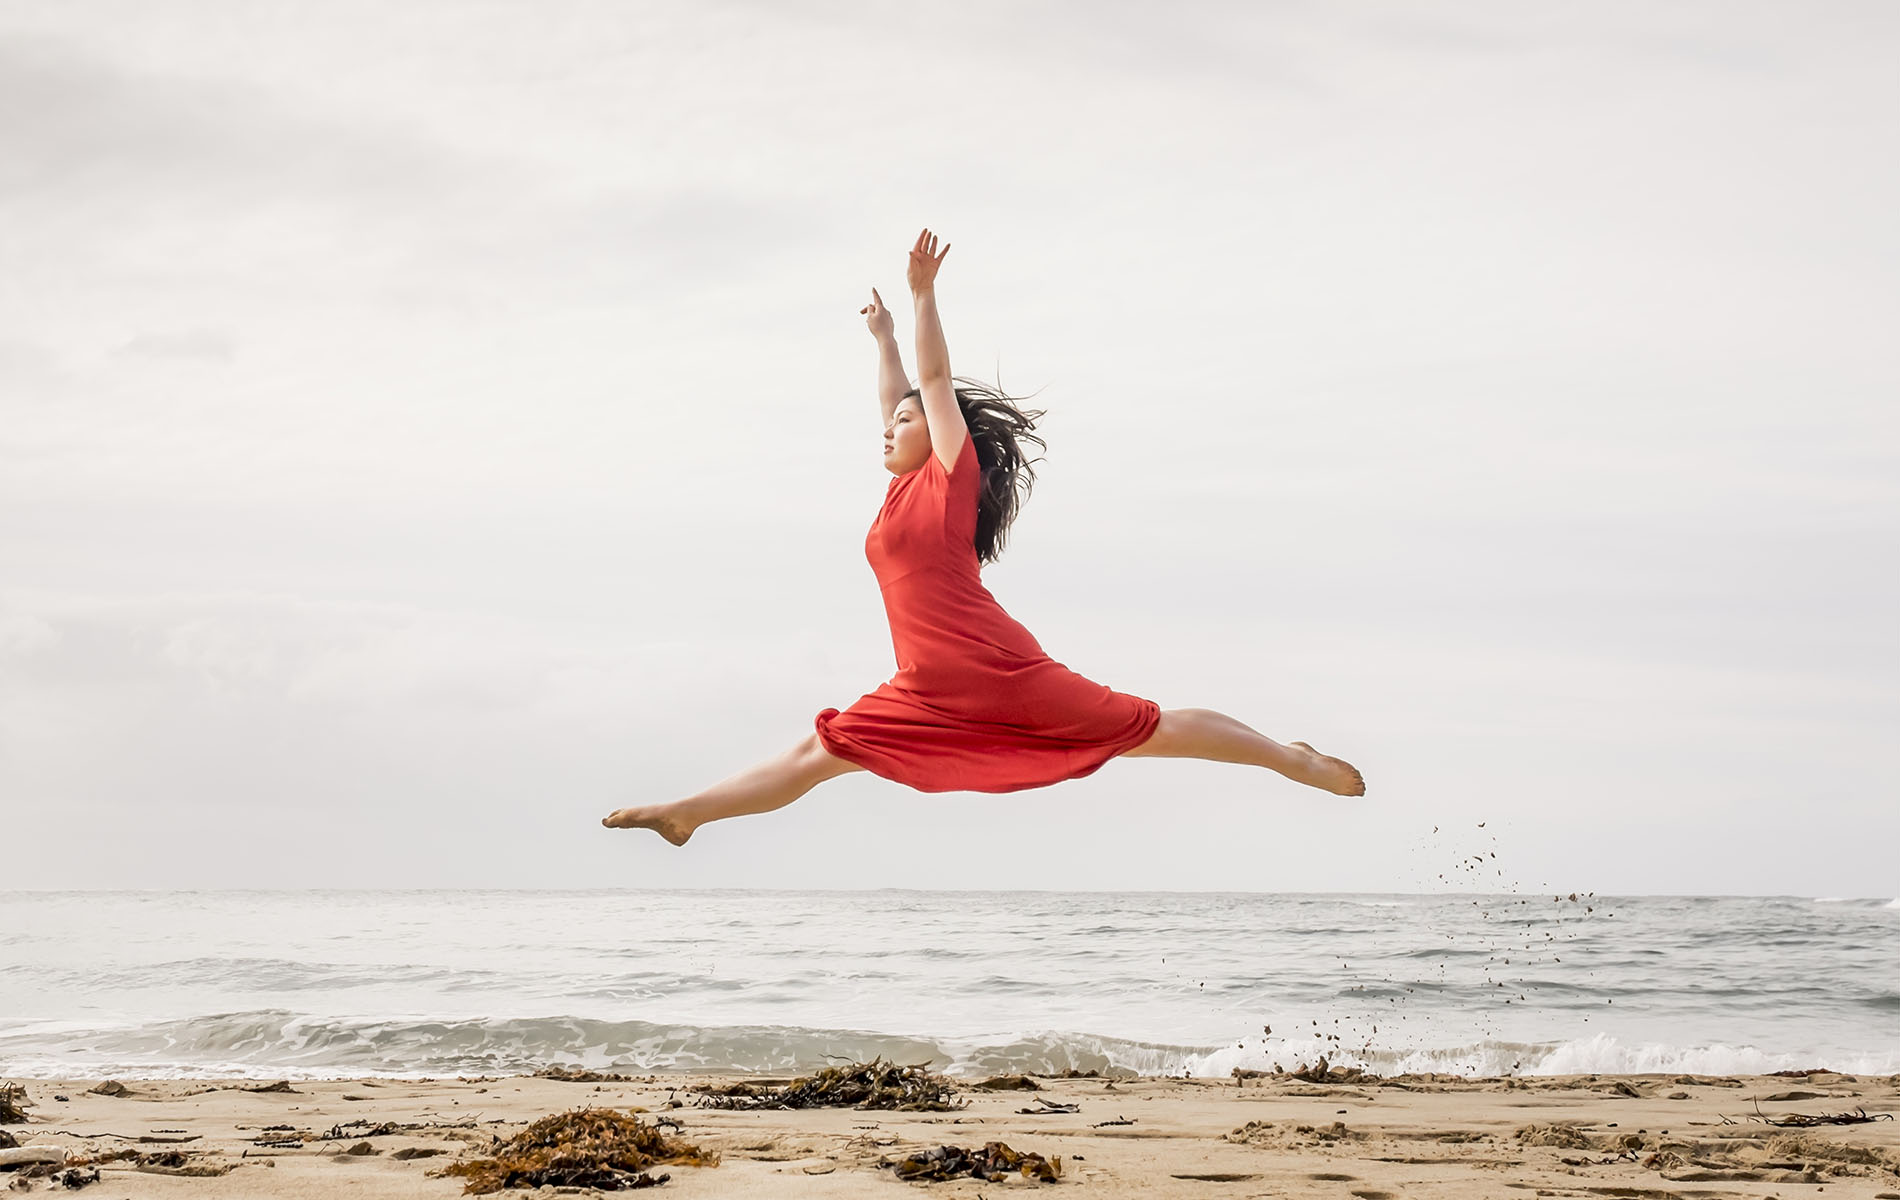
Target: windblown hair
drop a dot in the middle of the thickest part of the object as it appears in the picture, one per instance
(998, 426)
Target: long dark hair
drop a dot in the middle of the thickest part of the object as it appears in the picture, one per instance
(998, 425)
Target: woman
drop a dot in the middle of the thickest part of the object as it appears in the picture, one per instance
(975, 705)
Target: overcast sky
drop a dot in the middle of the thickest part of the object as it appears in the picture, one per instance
(426, 428)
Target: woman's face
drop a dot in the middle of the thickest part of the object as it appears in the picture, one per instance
(906, 438)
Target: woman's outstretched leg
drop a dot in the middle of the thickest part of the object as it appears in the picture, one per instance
(772, 784)
(1204, 733)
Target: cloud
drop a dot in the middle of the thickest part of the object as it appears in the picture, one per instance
(189, 345)
(154, 185)
(264, 648)
(29, 369)
(126, 139)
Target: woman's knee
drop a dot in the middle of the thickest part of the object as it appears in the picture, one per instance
(822, 763)
(1160, 743)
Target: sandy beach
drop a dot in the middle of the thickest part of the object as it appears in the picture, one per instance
(1412, 1136)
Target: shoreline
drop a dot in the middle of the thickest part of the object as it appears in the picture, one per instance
(1271, 1135)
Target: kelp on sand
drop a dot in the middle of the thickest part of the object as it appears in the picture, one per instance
(588, 1147)
(876, 1084)
(13, 1104)
(995, 1162)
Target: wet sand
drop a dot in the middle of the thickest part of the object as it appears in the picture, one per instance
(1650, 1136)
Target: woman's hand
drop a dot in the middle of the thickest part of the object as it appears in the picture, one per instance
(924, 261)
(878, 318)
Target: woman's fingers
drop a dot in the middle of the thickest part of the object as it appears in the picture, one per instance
(927, 245)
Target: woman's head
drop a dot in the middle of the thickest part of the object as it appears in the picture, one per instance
(907, 437)
(998, 427)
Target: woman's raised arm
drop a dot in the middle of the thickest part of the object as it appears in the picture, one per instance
(947, 428)
(933, 357)
(892, 383)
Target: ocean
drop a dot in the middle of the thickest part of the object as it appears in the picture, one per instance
(411, 984)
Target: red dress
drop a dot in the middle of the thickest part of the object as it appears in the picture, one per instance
(975, 705)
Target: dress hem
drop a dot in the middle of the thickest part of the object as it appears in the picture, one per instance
(1082, 761)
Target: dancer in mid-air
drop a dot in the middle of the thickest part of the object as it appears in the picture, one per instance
(975, 705)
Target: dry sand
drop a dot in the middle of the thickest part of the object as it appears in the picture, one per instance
(1589, 1136)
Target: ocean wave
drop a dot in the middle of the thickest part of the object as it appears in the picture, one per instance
(275, 1043)
(255, 974)
(1598, 1055)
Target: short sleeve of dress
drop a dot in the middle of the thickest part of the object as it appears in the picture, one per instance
(966, 455)
(956, 492)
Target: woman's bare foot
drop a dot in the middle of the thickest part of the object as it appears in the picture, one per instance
(650, 816)
(1336, 775)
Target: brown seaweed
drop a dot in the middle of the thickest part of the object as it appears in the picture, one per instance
(1010, 1083)
(590, 1147)
(1859, 1116)
(876, 1084)
(359, 1129)
(13, 1104)
(995, 1162)
(1321, 1072)
(582, 1075)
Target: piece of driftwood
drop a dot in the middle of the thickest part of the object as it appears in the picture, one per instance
(13, 1104)
(20, 1156)
(1050, 1106)
(1218, 1177)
